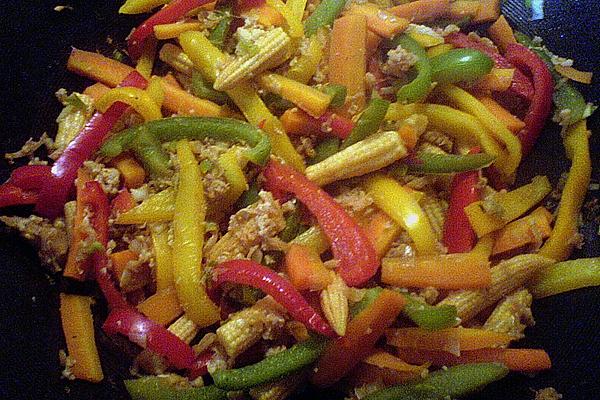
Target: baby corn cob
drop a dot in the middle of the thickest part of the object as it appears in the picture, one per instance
(184, 328)
(273, 48)
(278, 390)
(370, 154)
(176, 58)
(248, 326)
(507, 276)
(435, 209)
(335, 305)
(512, 315)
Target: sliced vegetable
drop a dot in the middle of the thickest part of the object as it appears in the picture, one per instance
(434, 163)
(358, 260)
(323, 15)
(162, 307)
(523, 232)
(368, 122)
(452, 340)
(430, 317)
(460, 65)
(305, 269)
(159, 207)
(565, 276)
(421, 10)
(160, 388)
(419, 88)
(247, 272)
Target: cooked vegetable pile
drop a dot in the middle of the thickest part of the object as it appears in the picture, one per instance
(272, 194)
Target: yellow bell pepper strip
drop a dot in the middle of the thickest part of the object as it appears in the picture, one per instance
(501, 208)
(295, 28)
(463, 127)
(188, 239)
(157, 208)
(146, 61)
(140, 6)
(484, 246)
(306, 64)
(313, 238)
(363, 331)
(78, 327)
(171, 31)
(468, 103)
(574, 74)
(309, 99)
(138, 99)
(347, 58)
(421, 10)
(296, 9)
(162, 255)
(564, 235)
(565, 276)
(206, 57)
(379, 21)
(234, 175)
(402, 206)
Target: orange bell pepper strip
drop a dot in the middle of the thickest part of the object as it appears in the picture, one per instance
(501, 33)
(421, 10)
(447, 271)
(513, 123)
(523, 360)
(523, 232)
(381, 231)
(162, 307)
(78, 327)
(305, 269)
(342, 355)
(132, 172)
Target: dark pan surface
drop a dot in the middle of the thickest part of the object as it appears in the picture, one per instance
(35, 41)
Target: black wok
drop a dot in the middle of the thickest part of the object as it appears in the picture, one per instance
(36, 40)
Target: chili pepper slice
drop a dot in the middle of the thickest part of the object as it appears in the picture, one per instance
(521, 85)
(458, 235)
(12, 195)
(149, 335)
(452, 382)
(279, 365)
(171, 13)
(176, 128)
(247, 272)
(55, 191)
(433, 163)
(160, 388)
(30, 177)
(541, 102)
(358, 259)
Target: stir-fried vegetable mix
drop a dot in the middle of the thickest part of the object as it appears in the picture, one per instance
(271, 194)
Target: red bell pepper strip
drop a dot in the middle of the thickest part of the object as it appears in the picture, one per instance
(357, 256)
(541, 102)
(12, 195)
(149, 335)
(55, 191)
(458, 235)
(521, 84)
(30, 177)
(247, 272)
(200, 366)
(171, 13)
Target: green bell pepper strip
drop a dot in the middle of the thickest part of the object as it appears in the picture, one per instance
(219, 34)
(566, 96)
(337, 92)
(192, 128)
(323, 15)
(159, 388)
(368, 122)
(453, 382)
(565, 276)
(271, 368)
(429, 317)
(460, 65)
(434, 163)
(148, 150)
(419, 87)
(201, 88)
(369, 297)
(325, 149)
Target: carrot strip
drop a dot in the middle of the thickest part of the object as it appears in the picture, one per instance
(381, 231)
(305, 269)
(513, 123)
(181, 102)
(501, 33)
(162, 307)
(452, 340)
(448, 271)
(342, 355)
(523, 232)
(421, 10)
(78, 265)
(78, 327)
(171, 31)
(347, 58)
(523, 360)
(97, 67)
(379, 21)
(120, 260)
